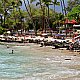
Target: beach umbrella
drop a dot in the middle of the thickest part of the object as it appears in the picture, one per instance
(67, 21)
(73, 22)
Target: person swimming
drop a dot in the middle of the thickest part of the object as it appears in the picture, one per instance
(12, 52)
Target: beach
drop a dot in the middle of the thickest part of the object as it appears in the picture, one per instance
(29, 61)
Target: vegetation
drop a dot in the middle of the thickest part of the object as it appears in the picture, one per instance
(38, 14)
(74, 13)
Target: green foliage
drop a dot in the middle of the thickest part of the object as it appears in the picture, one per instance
(1, 30)
(40, 14)
(75, 12)
(72, 4)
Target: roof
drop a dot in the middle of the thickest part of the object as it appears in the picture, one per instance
(67, 21)
(73, 21)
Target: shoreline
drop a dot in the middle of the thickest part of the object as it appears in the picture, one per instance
(38, 45)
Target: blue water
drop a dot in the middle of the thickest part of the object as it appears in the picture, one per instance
(29, 64)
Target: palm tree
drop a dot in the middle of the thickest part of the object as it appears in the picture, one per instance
(65, 14)
(43, 4)
(56, 3)
(4, 2)
(29, 7)
(29, 13)
(1, 19)
(64, 6)
(1, 13)
(48, 3)
(4, 10)
(19, 3)
(14, 6)
(40, 2)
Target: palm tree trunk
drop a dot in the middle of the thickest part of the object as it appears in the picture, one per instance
(65, 14)
(1, 19)
(48, 11)
(19, 3)
(55, 15)
(62, 6)
(43, 16)
(14, 15)
(29, 7)
(44, 27)
(4, 12)
(54, 8)
(48, 16)
(22, 28)
(26, 8)
(30, 16)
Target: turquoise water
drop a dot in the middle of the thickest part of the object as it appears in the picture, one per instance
(27, 63)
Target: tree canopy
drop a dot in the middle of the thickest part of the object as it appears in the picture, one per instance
(37, 15)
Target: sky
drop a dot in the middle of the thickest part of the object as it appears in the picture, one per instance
(58, 8)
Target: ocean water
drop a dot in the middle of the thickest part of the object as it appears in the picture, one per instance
(30, 63)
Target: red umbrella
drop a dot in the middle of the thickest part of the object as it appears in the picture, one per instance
(70, 22)
(67, 21)
(73, 22)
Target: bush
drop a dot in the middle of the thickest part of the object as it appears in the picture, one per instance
(1, 30)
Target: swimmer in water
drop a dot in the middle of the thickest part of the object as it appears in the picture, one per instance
(11, 52)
